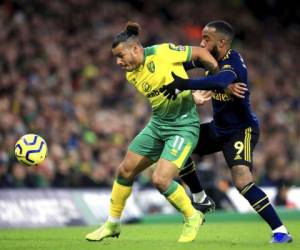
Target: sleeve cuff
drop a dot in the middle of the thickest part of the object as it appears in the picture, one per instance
(189, 53)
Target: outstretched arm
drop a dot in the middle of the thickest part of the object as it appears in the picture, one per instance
(221, 80)
(192, 65)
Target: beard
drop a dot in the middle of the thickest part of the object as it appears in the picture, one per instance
(215, 53)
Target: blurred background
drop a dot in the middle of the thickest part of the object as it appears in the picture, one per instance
(58, 79)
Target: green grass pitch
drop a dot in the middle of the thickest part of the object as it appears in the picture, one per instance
(212, 236)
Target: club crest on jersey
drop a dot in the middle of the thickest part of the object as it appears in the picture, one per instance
(146, 87)
(151, 67)
(227, 66)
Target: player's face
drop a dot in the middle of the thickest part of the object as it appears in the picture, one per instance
(210, 40)
(126, 56)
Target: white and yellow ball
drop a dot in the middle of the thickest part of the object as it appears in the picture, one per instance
(31, 150)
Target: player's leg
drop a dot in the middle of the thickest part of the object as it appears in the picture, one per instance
(176, 151)
(139, 156)
(132, 165)
(207, 144)
(238, 153)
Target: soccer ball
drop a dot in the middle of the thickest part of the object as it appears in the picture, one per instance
(31, 150)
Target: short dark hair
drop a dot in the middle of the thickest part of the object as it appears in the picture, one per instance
(222, 27)
(132, 30)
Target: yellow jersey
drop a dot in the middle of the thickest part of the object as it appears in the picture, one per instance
(159, 62)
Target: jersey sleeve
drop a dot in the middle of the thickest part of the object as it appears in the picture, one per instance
(175, 53)
(229, 66)
(192, 65)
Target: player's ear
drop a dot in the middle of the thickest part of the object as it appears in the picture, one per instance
(222, 43)
(135, 49)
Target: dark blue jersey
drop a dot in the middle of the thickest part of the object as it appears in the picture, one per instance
(230, 113)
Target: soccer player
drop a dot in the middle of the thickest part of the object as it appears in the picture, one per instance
(169, 137)
(235, 128)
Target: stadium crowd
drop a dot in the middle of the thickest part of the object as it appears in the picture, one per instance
(59, 80)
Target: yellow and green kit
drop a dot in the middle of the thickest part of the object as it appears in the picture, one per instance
(173, 130)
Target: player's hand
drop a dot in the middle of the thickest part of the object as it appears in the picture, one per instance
(238, 89)
(171, 90)
(201, 96)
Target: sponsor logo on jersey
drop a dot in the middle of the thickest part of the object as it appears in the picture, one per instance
(223, 97)
(156, 92)
(151, 67)
(153, 94)
(146, 87)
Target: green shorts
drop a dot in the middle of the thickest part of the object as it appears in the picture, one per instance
(174, 144)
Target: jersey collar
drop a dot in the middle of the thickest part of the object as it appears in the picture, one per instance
(148, 51)
(226, 55)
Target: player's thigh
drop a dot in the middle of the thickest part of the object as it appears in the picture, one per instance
(179, 145)
(208, 141)
(147, 143)
(238, 149)
(133, 164)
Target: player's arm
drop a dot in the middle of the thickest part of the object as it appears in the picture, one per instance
(206, 59)
(201, 96)
(219, 81)
(192, 65)
(222, 80)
